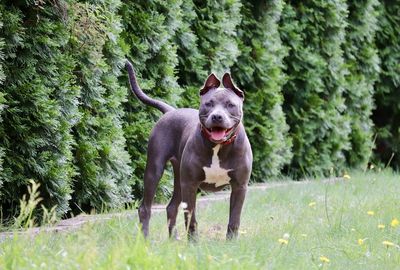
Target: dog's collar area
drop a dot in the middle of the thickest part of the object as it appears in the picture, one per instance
(229, 139)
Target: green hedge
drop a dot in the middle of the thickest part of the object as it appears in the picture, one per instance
(387, 112)
(147, 39)
(216, 27)
(37, 124)
(314, 32)
(310, 70)
(103, 164)
(208, 44)
(362, 63)
(2, 101)
(259, 72)
(191, 68)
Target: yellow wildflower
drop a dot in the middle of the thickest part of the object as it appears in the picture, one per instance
(371, 213)
(395, 222)
(360, 241)
(388, 243)
(283, 241)
(312, 204)
(242, 231)
(346, 176)
(381, 226)
(324, 259)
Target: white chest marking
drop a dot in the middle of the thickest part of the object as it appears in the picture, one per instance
(215, 174)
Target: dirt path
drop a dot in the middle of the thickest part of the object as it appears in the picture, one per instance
(78, 221)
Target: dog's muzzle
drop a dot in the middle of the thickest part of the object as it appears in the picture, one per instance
(220, 135)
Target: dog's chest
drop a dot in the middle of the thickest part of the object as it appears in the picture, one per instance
(215, 174)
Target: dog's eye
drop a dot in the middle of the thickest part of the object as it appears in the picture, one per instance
(230, 105)
(209, 104)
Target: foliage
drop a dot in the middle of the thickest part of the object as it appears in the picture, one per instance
(311, 71)
(2, 77)
(2, 100)
(216, 30)
(259, 72)
(208, 44)
(40, 99)
(314, 105)
(147, 39)
(28, 208)
(363, 68)
(387, 112)
(26, 217)
(102, 163)
(191, 72)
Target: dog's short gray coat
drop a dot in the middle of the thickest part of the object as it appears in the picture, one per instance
(208, 149)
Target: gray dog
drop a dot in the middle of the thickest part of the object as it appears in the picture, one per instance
(208, 149)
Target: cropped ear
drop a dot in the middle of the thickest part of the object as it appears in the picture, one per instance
(211, 82)
(227, 82)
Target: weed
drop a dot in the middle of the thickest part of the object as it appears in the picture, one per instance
(27, 217)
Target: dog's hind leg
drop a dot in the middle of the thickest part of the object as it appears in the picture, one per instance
(156, 161)
(173, 206)
(189, 197)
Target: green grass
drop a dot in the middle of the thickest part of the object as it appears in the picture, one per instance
(330, 228)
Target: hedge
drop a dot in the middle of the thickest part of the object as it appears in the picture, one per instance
(214, 25)
(387, 112)
(102, 162)
(362, 63)
(313, 72)
(148, 41)
(191, 68)
(314, 32)
(259, 70)
(2, 101)
(37, 141)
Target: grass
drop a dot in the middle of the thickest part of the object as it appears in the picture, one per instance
(316, 225)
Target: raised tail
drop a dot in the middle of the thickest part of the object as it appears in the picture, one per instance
(162, 106)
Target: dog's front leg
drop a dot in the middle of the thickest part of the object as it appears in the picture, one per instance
(238, 195)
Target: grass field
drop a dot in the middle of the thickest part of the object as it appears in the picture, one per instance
(349, 224)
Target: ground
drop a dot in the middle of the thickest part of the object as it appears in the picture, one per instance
(350, 223)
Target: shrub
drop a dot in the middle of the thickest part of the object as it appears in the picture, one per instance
(387, 112)
(259, 72)
(2, 77)
(313, 31)
(147, 39)
(216, 29)
(190, 69)
(103, 164)
(41, 104)
(363, 68)
(2, 100)
(207, 43)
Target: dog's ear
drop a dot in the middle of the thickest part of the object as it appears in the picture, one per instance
(211, 82)
(227, 82)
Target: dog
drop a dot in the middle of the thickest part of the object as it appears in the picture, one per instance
(208, 149)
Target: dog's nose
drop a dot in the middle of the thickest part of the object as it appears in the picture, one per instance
(216, 118)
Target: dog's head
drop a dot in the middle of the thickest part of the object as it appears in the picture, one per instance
(220, 107)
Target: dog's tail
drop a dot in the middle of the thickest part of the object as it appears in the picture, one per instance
(162, 106)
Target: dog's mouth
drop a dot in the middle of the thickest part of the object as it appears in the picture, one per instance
(217, 134)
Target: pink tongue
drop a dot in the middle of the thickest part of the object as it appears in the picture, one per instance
(217, 135)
